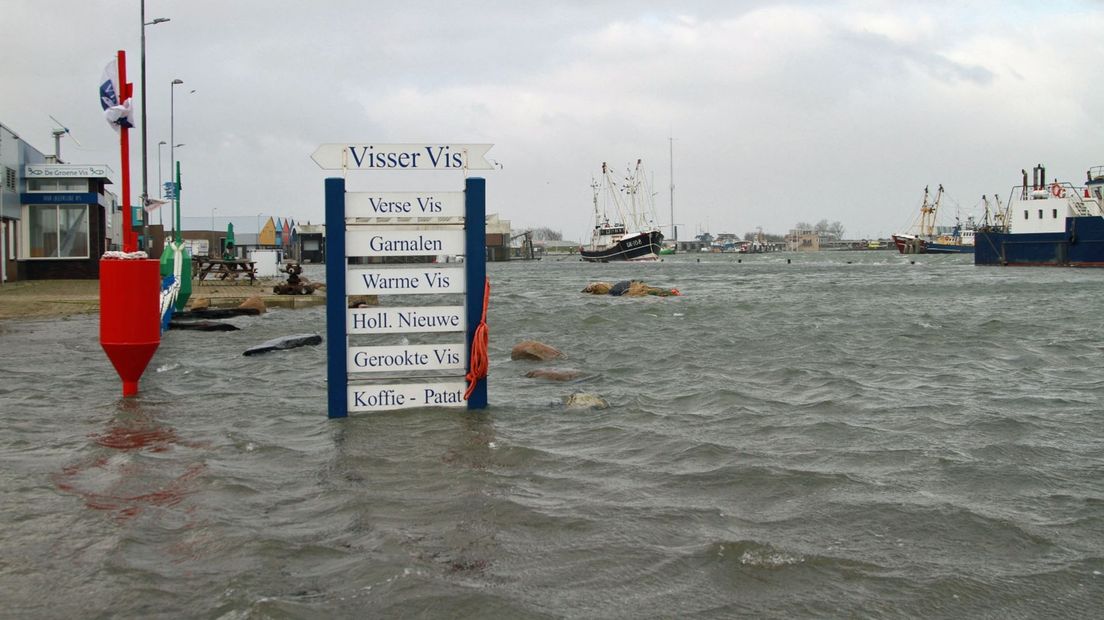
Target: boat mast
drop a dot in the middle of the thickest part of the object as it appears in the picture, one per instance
(597, 215)
(613, 191)
(671, 159)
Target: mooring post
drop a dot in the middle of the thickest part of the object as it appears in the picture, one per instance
(337, 372)
(475, 271)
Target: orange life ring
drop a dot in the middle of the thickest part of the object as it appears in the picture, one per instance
(1057, 191)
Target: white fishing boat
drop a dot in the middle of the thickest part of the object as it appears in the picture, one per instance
(924, 237)
(624, 220)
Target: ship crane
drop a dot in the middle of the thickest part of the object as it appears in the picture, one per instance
(526, 244)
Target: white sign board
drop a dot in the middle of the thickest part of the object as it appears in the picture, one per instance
(404, 281)
(402, 157)
(197, 247)
(404, 204)
(406, 396)
(39, 171)
(406, 320)
(397, 358)
(391, 242)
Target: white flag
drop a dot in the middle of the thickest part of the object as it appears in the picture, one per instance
(117, 114)
(153, 204)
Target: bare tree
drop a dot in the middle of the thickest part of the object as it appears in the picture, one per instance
(546, 234)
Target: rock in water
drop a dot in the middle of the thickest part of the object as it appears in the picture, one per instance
(285, 342)
(582, 400)
(533, 350)
(598, 288)
(254, 302)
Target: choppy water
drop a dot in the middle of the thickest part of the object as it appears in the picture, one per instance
(846, 435)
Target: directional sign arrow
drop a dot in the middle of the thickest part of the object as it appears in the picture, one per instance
(343, 156)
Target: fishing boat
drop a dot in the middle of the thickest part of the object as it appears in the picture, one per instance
(926, 237)
(623, 230)
(1047, 224)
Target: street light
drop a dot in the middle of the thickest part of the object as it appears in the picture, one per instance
(172, 154)
(160, 187)
(145, 168)
(213, 209)
(160, 169)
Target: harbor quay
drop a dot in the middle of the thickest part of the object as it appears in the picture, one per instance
(43, 299)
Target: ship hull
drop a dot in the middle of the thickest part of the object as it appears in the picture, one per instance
(1080, 245)
(947, 248)
(908, 244)
(644, 246)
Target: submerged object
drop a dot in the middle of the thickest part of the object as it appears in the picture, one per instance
(218, 313)
(285, 342)
(584, 400)
(533, 350)
(203, 326)
(629, 288)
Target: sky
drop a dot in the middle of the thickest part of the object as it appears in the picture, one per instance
(768, 113)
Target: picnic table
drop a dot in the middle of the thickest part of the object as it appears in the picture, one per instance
(225, 269)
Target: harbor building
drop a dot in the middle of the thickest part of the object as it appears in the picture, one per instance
(56, 218)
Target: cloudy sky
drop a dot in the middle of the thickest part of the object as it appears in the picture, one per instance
(780, 111)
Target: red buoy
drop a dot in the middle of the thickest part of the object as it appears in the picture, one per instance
(130, 316)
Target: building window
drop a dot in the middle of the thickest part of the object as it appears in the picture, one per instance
(1054, 213)
(57, 231)
(1025, 214)
(1040, 214)
(9, 178)
(57, 185)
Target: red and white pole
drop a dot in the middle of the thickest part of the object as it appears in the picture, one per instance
(130, 289)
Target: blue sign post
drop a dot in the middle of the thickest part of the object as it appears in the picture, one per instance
(394, 224)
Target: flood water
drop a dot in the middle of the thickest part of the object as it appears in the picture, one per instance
(853, 434)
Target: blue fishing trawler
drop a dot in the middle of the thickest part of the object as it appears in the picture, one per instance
(1047, 224)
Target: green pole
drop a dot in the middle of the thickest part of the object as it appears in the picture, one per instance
(186, 264)
(176, 204)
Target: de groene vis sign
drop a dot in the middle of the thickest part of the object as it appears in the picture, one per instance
(436, 302)
(340, 156)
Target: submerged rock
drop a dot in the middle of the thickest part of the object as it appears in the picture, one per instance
(202, 326)
(583, 400)
(284, 342)
(554, 374)
(217, 313)
(533, 350)
(598, 288)
(254, 302)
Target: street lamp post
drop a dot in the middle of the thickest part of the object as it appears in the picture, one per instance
(145, 168)
(160, 187)
(172, 149)
(160, 177)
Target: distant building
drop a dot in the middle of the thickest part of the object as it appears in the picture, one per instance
(312, 243)
(56, 219)
(498, 238)
(803, 240)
